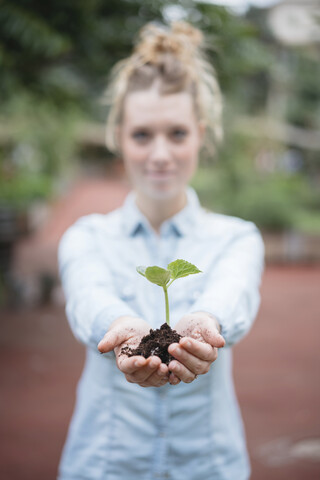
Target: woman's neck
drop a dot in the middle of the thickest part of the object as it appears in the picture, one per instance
(158, 211)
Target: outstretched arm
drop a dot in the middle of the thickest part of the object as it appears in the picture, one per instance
(92, 303)
(231, 293)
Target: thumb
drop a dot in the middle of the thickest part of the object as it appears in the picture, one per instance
(111, 340)
(214, 338)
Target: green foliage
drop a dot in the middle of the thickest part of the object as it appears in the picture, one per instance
(234, 46)
(55, 58)
(165, 277)
(155, 274)
(303, 109)
(23, 190)
(36, 150)
(65, 49)
(275, 200)
(181, 268)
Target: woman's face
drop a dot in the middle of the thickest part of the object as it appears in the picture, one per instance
(160, 139)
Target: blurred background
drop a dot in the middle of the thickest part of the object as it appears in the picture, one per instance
(55, 59)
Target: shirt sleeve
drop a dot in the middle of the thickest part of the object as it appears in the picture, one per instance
(232, 290)
(92, 303)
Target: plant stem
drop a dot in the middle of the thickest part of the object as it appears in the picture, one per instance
(168, 284)
(167, 305)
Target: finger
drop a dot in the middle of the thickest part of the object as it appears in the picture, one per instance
(191, 362)
(203, 351)
(149, 383)
(158, 378)
(142, 373)
(112, 339)
(130, 365)
(213, 337)
(173, 379)
(181, 371)
(152, 365)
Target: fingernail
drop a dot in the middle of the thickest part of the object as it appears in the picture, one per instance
(174, 381)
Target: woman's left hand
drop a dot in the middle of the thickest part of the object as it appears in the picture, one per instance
(198, 348)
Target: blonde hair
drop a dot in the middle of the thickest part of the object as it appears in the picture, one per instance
(175, 58)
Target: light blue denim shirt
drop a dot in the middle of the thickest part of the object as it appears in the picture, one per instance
(119, 430)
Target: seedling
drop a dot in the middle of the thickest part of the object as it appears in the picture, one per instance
(165, 277)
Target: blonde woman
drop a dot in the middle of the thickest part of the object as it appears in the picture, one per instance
(136, 418)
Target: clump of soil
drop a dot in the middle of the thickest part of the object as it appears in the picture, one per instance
(155, 343)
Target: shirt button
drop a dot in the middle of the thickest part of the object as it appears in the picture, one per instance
(162, 434)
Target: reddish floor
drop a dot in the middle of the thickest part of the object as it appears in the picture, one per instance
(276, 372)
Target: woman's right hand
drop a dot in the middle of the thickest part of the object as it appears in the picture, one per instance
(127, 332)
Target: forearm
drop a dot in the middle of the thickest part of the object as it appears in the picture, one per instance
(90, 315)
(232, 295)
(235, 317)
(92, 302)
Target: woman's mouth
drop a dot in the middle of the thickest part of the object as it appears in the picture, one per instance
(160, 175)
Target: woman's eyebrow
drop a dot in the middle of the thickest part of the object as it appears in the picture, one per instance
(140, 127)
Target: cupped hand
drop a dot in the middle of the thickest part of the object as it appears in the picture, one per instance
(127, 332)
(198, 348)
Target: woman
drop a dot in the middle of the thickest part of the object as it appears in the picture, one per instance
(166, 105)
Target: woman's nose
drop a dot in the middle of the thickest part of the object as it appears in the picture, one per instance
(160, 152)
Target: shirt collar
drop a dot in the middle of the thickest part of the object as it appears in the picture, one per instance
(182, 223)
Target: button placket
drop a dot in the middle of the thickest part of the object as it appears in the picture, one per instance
(161, 412)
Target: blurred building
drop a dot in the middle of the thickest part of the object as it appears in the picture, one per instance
(295, 22)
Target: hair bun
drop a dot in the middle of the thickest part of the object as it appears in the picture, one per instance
(156, 41)
(193, 34)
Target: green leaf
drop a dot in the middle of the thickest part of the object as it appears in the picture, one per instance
(157, 275)
(142, 270)
(182, 268)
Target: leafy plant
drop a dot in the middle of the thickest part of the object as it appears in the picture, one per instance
(165, 277)
(37, 149)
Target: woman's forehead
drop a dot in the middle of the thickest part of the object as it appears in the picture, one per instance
(150, 106)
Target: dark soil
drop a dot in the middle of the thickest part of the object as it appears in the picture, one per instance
(155, 343)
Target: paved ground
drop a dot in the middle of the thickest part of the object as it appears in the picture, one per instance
(276, 373)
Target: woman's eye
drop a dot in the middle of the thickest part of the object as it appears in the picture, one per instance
(179, 134)
(140, 136)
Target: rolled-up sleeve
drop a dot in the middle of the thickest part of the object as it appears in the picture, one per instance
(92, 303)
(232, 292)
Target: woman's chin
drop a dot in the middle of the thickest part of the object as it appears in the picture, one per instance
(163, 192)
